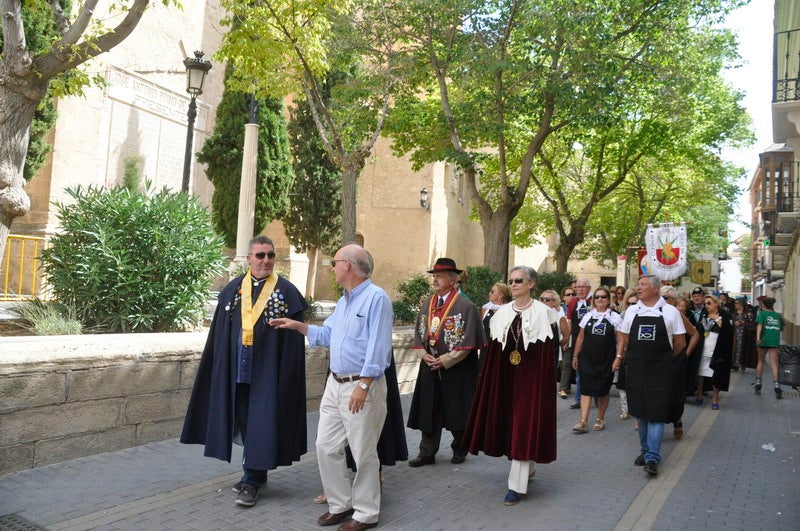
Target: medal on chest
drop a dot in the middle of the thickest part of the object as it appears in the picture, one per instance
(515, 358)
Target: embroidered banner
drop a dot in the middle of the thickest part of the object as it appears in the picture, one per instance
(666, 249)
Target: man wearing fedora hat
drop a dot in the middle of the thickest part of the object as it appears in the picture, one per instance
(449, 332)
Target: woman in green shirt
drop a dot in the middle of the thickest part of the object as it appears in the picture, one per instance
(768, 331)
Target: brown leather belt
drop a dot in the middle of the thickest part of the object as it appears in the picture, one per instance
(348, 378)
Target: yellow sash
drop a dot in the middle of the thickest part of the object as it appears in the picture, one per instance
(250, 313)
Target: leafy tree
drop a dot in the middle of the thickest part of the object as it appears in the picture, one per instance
(223, 155)
(505, 86)
(41, 32)
(746, 253)
(30, 72)
(284, 47)
(314, 219)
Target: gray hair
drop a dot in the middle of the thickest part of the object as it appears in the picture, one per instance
(259, 240)
(653, 280)
(355, 254)
(529, 273)
(668, 292)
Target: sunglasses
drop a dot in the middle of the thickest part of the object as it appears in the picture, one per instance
(334, 262)
(545, 299)
(516, 280)
(570, 294)
(270, 255)
(601, 296)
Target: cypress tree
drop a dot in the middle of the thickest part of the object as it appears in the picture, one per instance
(222, 153)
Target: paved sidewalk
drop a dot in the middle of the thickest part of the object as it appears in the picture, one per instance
(716, 477)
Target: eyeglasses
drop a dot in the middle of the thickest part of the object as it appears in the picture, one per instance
(261, 255)
(569, 294)
(516, 280)
(709, 303)
(545, 299)
(333, 262)
(601, 296)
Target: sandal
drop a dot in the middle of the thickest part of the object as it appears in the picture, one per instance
(678, 431)
(599, 425)
(624, 416)
(580, 427)
(321, 498)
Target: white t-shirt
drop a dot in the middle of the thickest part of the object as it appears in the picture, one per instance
(672, 317)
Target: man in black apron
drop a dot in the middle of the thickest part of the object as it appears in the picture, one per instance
(652, 333)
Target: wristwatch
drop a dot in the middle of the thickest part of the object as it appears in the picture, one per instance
(363, 386)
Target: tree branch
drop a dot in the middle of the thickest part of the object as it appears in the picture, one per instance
(15, 48)
(55, 63)
(60, 19)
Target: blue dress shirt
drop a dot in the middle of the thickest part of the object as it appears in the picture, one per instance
(359, 333)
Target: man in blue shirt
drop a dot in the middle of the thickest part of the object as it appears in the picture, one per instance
(353, 407)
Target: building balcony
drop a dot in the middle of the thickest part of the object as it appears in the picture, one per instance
(786, 85)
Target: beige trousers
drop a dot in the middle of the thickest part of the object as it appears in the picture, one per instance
(339, 427)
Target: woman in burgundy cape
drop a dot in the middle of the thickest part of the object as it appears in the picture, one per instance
(514, 409)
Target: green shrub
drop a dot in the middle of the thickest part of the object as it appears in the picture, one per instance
(412, 291)
(132, 263)
(480, 280)
(555, 281)
(48, 318)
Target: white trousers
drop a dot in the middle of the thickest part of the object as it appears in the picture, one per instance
(519, 475)
(339, 427)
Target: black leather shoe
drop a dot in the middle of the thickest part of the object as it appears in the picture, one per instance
(458, 459)
(575, 406)
(651, 468)
(639, 461)
(421, 461)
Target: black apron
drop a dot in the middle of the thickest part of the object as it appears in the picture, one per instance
(596, 356)
(648, 369)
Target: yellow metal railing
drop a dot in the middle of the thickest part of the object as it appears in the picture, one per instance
(23, 278)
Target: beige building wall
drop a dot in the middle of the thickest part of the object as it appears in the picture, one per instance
(141, 111)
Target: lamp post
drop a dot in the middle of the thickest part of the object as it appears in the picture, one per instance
(196, 70)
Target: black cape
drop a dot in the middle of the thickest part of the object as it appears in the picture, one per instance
(277, 416)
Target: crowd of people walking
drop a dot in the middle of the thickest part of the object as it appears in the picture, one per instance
(491, 377)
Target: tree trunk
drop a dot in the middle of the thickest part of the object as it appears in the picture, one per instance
(16, 116)
(496, 241)
(311, 280)
(350, 172)
(562, 257)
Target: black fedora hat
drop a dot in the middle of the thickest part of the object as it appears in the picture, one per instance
(444, 264)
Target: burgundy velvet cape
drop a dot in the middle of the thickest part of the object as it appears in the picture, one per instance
(514, 409)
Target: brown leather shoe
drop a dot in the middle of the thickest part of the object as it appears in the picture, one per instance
(333, 518)
(355, 525)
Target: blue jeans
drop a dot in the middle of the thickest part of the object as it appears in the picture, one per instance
(650, 436)
(577, 387)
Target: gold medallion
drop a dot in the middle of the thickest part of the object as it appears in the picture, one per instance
(432, 342)
(515, 357)
(705, 334)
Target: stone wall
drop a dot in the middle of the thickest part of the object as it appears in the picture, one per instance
(71, 396)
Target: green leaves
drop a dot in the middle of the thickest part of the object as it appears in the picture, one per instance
(131, 263)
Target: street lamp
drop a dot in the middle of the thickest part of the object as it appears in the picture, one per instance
(423, 199)
(196, 70)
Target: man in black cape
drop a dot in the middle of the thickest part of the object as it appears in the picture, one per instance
(252, 375)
